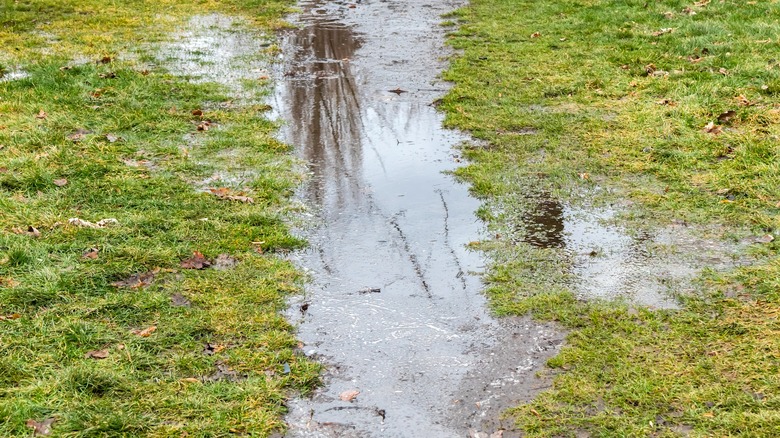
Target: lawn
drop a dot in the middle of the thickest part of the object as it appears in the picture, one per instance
(139, 293)
(668, 110)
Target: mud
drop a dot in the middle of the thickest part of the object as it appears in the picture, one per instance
(394, 308)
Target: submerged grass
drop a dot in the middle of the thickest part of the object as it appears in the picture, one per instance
(668, 111)
(103, 329)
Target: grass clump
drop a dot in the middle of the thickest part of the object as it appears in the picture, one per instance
(112, 330)
(667, 111)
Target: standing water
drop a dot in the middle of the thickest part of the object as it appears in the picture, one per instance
(394, 308)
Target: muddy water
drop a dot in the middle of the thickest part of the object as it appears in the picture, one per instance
(394, 308)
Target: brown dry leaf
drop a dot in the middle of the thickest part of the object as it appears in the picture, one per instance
(42, 428)
(78, 135)
(105, 60)
(60, 182)
(197, 261)
(109, 75)
(767, 238)
(97, 354)
(137, 280)
(10, 317)
(663, 31)
(666, 102)
(708, 415)
(87, 224)
(536, 35)
(41, 115)
(204, 126)
(585, 176)
(189, 380)
(702, 3)
(695, 59)
(91, 253)
(688, 10)
(349, 395)
(30, 231)
(8, 282)
(727, 116)
(723, 71)
(245, 199)
(650, 68)
(145, 333)
(712, 128)
(743, 101)
(197, 113)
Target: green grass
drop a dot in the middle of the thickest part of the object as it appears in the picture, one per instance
(596, 103)
(138, 160)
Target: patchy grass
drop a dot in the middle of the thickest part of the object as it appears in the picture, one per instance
(610, 102)
(104, 329)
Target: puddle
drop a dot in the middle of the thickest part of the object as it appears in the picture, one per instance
(394, 308)
(649, 268)
(13, 75)
(217, 48)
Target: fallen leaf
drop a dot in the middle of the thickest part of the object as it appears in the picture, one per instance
(712, 128)
(136, 281)
(189, 380)
(197, 113)
(211, 349)
(650, 68)
(536, 35)
(10, 317)
(41, 428)
(197, 261)
(145, 333)
(91, 253)
(41, 115)
(727, 116)
(702, 3)
(688, 10)
(30, 231)
(96, 354)
(666, 102)
(78, 135)
(708, 415)
(179, 300)
(112, 138)
(663, 31)
(245, 199)
(723, 71)
(60, 182)
(109, 75)
(224, 373)
(105, 60)
(204, 126)
(767, 238)
(743, 101)
(8, 282)
(87, 224)
(349, 395)
(585, 176)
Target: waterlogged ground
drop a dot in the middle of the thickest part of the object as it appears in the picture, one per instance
(394, 308)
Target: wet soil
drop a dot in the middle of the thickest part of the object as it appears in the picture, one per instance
(394, 308)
